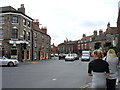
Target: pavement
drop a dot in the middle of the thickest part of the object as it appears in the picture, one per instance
(89, 85)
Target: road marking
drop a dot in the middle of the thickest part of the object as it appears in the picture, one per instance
(54, 79)
(88, 85)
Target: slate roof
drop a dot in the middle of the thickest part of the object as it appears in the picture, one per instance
(100, 37)
(8, 9)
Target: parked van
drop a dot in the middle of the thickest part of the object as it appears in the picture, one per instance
(85, 56)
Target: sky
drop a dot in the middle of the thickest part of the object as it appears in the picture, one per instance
(69, 19)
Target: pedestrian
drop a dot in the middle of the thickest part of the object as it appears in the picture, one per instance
(98, 69)
(113, 62)
(105, 53)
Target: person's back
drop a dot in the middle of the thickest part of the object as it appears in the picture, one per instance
(113, 64)
(98, 69)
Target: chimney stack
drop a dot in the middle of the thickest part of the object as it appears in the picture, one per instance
(84, 35)
(44, 30)
(100, 32)
(36, 21)
(22, 9)
(95, 33)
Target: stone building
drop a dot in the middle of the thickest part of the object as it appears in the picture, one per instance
(68, 47)
(16, 27)
(17, 33)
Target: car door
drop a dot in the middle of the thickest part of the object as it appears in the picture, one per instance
(4, 61)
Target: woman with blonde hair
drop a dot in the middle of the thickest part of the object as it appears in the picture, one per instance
(98, 69)
(113, 62)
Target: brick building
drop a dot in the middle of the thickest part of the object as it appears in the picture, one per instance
(54, 50)
(41, 42)
(118, 27)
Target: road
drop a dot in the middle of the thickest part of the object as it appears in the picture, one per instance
(52, 73)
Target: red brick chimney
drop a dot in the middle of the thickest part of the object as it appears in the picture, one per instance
(100, 32)
(84, 35)
(36, 21)
(95, 33)
(44, 30)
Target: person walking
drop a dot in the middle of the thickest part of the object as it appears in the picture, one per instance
(113, 62)
(98, 69)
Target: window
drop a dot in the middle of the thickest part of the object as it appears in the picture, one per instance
(35, 55)
(28, 35)
(15, 19)
(35, 34)
(35, 43)
(24, 34)
(1, 19)
(1, 34)
(14, 33)
(13, 52)
(24, 21)
(28, 23)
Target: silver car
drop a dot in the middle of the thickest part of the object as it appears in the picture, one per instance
(70, 57)
(9, 62)
(85, 57)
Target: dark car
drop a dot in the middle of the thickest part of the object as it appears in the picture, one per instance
(61, 56)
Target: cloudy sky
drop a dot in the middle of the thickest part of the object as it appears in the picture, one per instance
(69, 18)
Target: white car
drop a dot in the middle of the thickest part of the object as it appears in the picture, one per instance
(9, 62)
(70, 57)
(85, 57)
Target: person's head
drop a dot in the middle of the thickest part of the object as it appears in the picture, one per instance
(97, 54)
(111, 52)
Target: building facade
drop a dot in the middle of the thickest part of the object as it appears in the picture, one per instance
(16, 28)
(41, 42)
(17, 35)
(54, 50)
(118, 27)
(68, 47)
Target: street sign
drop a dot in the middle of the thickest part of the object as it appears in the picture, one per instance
(18, 42)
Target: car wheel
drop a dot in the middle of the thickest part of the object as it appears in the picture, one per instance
(10, 64)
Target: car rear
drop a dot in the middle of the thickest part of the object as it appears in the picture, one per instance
(69, 57)
(85, 57)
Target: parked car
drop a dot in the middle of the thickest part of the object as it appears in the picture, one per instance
(85, 57)
(70, 57)
(9, 62)
(76, 56)
(62, 56)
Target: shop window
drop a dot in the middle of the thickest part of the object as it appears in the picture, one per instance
(13, 52)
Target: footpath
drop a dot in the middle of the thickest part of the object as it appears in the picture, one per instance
(89, 85)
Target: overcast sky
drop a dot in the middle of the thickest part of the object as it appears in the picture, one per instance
(69, 18)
